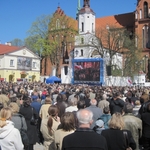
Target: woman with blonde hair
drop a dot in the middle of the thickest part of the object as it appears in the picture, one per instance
(115, 134)
(67, 127)
(48, 126)
(17, 118)
(10, 138)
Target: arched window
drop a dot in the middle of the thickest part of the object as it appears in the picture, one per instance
(82, 40)
(140, 14)
(145, 10)
(136, 15)
(82, 27)
(92, 27)
(57, 24)
(81, 52)
(145, 36)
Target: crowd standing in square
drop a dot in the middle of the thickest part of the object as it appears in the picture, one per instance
(66, 117)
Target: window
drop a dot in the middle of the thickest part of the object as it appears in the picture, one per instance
(136, 41)
(136, 15)
(140, 14)
(92, 27)
(81, 52)
(34, 65)
(145, 10)
(57, 24)
(11, 63)
(82, 40)
(82, 27)
(145, 37)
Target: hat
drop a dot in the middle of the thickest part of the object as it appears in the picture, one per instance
(99, 123)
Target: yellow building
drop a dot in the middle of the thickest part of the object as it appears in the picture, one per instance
(18, 64)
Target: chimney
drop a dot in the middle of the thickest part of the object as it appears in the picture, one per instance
(8, 43)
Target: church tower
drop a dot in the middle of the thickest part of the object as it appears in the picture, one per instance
(86, 30)
(86, 19)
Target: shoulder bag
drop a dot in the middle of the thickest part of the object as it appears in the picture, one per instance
(33, 120)
(125, 134)
(23, 133)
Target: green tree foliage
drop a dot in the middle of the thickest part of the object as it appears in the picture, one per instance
(38, 36)
(115, 41)
(17, 42)
(47, 34)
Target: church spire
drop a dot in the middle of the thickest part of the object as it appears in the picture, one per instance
(86, 3)
(78, 9)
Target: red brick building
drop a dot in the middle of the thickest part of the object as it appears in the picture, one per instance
(137, 22)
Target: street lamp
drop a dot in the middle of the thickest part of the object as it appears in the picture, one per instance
(76, 53)
(138, 63)
(110, 53)
(145, 60)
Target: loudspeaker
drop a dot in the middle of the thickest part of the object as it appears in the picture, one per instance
(66, 70)
(108, 70)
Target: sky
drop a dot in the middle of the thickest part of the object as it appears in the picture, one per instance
(17, 16)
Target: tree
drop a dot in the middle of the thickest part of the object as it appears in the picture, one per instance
(49, 37)
(17, 42)
(38, 40)
(111, 41)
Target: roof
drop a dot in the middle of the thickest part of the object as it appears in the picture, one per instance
(121, 20)
(86, 9)
(4, 49)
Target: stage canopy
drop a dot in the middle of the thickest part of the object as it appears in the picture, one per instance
(53, 79)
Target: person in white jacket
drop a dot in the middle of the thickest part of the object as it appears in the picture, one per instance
(10, 138)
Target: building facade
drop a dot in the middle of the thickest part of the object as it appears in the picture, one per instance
(87, 25)
(18, 64)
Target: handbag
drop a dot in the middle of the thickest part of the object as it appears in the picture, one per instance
(23, 133)
(126, 140)
(33, 120)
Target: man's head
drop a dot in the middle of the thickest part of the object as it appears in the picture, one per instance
(93, 102)
(85, 116)
(104, 97)
(128, 108)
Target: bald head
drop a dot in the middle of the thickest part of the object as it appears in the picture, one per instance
(84, 116)
(93, 102)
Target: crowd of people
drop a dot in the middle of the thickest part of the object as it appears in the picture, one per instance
(66, 117)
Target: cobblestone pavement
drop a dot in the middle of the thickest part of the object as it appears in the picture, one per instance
(38, 147)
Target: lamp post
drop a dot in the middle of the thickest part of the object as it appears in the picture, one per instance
(138, 64)
(76, 53)
(145, 60)
(109, 65)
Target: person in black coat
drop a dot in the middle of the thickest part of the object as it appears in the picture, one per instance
(115, 136)
(116, 104)
(26, 110)
(146, 128)
(84, 138)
